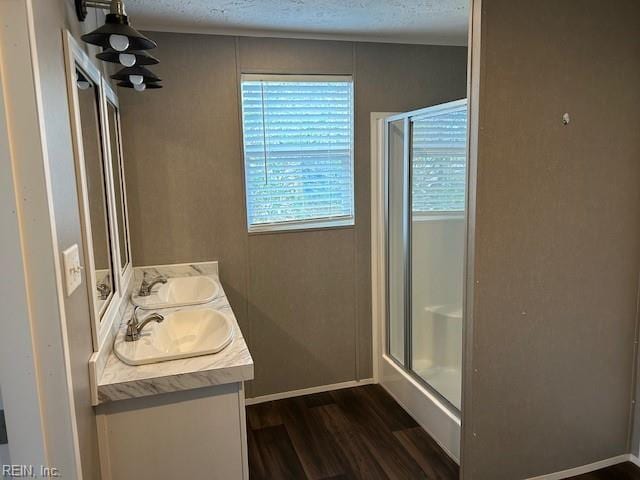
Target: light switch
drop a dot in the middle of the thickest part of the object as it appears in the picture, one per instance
(72, 268)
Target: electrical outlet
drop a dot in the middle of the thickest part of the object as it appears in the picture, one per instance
(72, 268)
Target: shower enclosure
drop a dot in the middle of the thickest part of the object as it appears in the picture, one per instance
(424, 215)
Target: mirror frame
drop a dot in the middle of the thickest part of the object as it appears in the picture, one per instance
(109, 96)
(102, 323)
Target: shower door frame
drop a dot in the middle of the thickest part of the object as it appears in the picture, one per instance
(437, 415)
(407, 243)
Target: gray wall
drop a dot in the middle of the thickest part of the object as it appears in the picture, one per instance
(557, 237)
(302, 298)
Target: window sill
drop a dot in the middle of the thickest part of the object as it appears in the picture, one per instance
(305, 226)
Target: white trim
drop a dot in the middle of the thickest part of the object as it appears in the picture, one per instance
(433, 111)
(635, 460)
(377, 238)
(590, 467)
(244, 449)
(110, 99)
(305, 223)
(93, 378)
(308, 391)
(273, 77)
(294, 225)
(473, 93)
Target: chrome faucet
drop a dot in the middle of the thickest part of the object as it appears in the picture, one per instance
(103, 290)
(145, 287)
(134, 327)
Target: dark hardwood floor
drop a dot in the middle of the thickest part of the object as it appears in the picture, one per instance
(355, 433)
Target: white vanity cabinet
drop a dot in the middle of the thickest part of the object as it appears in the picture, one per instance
(192, 434)
(177, 419)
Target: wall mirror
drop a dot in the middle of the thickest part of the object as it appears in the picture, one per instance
(96, 188)
(117, 173)
(96, 133)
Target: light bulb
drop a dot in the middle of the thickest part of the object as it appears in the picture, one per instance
(127, 59)
(140, 87)
(136, 79)
(82, 83)
(119, 42)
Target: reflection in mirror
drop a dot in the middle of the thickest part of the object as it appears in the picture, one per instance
(88, 100)
(118, 184)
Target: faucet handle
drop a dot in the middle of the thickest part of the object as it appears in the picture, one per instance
(134, 327)
(146, 285)
(145, 275)
(134, 316)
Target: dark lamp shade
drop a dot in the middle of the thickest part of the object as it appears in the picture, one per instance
(131, 85)
(118, 25)
(147, 75)
(113, 56)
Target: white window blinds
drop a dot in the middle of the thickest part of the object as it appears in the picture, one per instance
(298, 150)
(438, 160)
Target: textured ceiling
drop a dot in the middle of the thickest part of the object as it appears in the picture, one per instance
(412, 21)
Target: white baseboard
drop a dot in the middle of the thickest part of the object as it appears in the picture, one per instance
(308, 391)
(591, 467)
(635, 460)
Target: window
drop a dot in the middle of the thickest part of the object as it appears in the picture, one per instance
(298, 151)
(438, 159)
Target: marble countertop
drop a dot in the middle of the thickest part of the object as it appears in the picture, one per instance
(120, 381)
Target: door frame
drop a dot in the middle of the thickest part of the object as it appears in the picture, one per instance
(35, 369)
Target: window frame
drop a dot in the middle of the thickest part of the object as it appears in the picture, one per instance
(313, 223)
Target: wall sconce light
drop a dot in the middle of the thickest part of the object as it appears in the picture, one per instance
(138, 76)
(128, 59)
(139, 87)
(81, 81)
(121, 43)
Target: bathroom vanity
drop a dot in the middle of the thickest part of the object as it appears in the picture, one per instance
(182, 418)
(169, 396)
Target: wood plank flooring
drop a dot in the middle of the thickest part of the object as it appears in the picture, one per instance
(355, 433)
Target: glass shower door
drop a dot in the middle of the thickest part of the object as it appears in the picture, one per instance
(426, 184)
(438, 183)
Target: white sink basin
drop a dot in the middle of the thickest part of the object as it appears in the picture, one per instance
(182, 334)
(178, 292)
